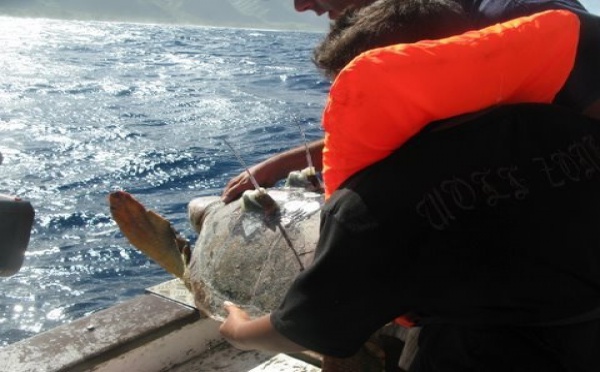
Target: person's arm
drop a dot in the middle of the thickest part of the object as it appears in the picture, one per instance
(254, 334)
(273, 169)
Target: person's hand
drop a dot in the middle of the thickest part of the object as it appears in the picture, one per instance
(265, 176)
(268, 172)
(236, 318)
(246, 333)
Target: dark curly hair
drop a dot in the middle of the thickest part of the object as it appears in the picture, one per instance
(387, 22)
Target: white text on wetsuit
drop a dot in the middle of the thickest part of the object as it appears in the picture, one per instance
(488, 187)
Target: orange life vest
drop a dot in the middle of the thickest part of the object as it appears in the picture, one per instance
(386, 95)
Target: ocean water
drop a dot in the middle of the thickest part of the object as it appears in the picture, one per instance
(91, 107)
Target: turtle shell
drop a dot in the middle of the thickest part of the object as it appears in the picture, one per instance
(249, 258)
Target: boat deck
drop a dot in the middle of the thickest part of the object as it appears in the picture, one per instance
(157, 331)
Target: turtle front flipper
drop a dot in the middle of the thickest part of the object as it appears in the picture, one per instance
(149, 232)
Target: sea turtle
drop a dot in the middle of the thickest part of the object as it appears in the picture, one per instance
(246, 252)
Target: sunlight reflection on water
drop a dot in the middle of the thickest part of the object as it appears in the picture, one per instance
(90, 107)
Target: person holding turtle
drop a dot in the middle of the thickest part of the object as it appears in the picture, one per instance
(480, 227)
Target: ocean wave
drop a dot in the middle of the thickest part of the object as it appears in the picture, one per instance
(91, 107)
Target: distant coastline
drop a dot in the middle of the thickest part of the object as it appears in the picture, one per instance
(246, 26)
(252, 14)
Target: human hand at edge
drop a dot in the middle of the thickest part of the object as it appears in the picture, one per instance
(229, 329)
(273, 169)
(245, 333)
(263, 173)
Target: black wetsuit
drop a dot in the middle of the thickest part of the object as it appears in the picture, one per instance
(487, 231)
(487, 226)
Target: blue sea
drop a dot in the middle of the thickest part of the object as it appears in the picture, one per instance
(91, 107)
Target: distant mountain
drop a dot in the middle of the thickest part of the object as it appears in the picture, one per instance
(269, 14)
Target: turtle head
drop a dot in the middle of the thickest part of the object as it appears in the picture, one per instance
(198, 209)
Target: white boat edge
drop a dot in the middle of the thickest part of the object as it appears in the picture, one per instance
(151, 332)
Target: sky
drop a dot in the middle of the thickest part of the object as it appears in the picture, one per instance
(592, 5)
